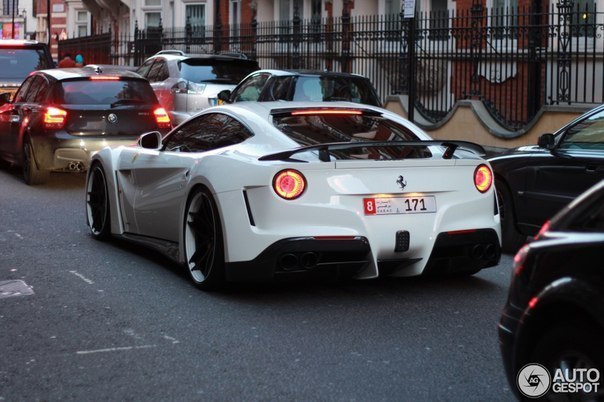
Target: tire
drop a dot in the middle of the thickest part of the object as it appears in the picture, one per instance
(512, 239)
(571, 345)
(31, 174)
(97, 203)
(203, 242)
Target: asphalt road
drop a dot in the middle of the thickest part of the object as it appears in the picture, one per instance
(110, 321)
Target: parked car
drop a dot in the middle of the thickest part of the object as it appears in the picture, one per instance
(554, 315)
(186, 84)
(18, 58)
(60, 116)
(291, 85)
(263, 190)
(535, 182)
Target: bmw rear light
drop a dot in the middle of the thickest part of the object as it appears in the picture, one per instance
(161, 117)
(483, 178)
(289, 184)
(54, 118)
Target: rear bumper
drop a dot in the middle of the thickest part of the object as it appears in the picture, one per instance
(464, 251)
(342, 257)
(64, 152)
(304, 256)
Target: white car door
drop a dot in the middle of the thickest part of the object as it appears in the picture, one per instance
(152, 185)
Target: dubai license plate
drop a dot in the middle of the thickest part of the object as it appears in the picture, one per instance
(399, 205)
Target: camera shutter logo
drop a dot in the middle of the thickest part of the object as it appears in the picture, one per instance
(533, 380)
(112, 118)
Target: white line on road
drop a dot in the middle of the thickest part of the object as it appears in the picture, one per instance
(118, 349)
(82, 277)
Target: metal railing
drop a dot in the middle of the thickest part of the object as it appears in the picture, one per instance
(513, 60)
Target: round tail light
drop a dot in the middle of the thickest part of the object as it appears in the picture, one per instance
(289, 184)
(483, 178)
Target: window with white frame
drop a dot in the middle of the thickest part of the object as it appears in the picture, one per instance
(235, 16)
(195, 16)
(81, 23)
(504, 19)
(152, 19)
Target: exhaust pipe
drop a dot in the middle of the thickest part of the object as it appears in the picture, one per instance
(490, 251)
(477, 252)
(76, 166)
(309, 260)
(288, 262)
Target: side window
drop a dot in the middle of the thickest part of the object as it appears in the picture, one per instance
(145, 68)
(21, 94)
(207, 132)
(250, 91)
(43, 90)
(154, 72)
(37, 87)
(586, 135)
(278, 88)
(163, 73)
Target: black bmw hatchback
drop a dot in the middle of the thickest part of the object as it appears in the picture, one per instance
(59, 117)
(551, 330)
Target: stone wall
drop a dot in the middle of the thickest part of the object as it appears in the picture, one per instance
(470, 121)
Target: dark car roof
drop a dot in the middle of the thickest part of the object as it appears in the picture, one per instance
(318, 73)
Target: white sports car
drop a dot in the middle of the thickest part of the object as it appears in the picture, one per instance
(261, 191)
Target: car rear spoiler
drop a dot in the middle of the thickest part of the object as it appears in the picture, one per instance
(325, 149)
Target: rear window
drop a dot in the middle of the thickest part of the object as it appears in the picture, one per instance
(335, 88)
(16, 64)
(216, 71)
(103, 92)
(326, 128)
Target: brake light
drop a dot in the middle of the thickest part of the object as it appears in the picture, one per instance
(161, 117)
(104, 78)
(316, 112)
(289, 184)
(54, 118)
(483, 178)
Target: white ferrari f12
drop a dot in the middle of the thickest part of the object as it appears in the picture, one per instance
(262, 191)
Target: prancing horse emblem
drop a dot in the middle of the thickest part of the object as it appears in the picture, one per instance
(401, 182)
(112, 118)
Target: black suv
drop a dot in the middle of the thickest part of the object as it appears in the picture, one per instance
(58, 117)
(18, 58)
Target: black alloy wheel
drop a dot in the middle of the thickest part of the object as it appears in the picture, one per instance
(31, 174)
(203, 242)
(97, 203)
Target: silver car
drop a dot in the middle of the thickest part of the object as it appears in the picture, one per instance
(185, 84)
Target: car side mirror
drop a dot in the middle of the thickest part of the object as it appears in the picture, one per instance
(225, 95)
(5, 98)
(547, 141)
(151, 140)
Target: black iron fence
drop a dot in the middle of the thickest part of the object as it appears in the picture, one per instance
(513, 60)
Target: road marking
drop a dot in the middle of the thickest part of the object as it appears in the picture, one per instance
(118, 349)
(14, 287)
(82, 277)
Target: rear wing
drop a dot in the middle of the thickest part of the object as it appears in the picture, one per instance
(325, 149)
